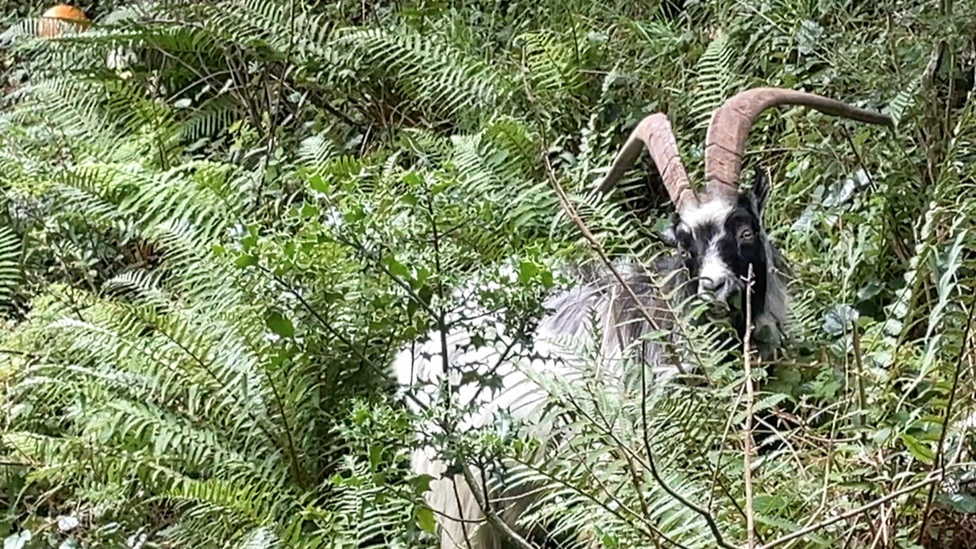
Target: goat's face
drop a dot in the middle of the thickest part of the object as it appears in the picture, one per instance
(717, 242)
(718, 233)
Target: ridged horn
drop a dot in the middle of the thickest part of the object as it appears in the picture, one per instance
(654, 132)
(728, 131)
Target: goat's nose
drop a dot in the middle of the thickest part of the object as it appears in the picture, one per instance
(710, 284)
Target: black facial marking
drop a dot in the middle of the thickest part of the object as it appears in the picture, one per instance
(739, 253)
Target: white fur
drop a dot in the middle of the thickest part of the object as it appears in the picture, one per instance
(714, 212)
(713, 267)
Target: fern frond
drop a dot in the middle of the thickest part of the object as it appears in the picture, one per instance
(715, 78)
(436, 77)
(9, 265)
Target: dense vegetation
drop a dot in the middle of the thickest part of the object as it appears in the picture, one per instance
(221, 220)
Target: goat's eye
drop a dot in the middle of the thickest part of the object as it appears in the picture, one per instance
(685, 254)
(746, 234)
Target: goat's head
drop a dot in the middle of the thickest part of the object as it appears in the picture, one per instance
(719, 234)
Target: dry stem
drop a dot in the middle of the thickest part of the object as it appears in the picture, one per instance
(747, 432)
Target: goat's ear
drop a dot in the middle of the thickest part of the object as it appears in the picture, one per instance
(760, 190)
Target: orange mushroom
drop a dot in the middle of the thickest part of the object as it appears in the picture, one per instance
(55, 17)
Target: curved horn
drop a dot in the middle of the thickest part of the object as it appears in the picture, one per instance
(654, 132)
(728, 131)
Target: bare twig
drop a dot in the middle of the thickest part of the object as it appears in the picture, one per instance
(464, 525)
(652, 467)
(931, 478)
(747, 431)
(721, 446)
(826, 479)
(859, 377)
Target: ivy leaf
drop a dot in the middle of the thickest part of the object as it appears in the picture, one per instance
(17, 541)
(837, 319)
(808, 37)
(280, 325)
(960, 502)
(869, 290)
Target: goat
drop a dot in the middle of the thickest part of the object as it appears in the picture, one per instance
(718, 236)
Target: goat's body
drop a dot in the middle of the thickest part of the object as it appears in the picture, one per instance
(601, 302)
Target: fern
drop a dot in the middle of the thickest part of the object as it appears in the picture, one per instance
(437, 78)
(715, 78)
(9, 265)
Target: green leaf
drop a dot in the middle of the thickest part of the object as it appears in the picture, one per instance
(547, 281)
(309, 210)
(412, 179)
(837, 319)
(961, 502)
(421, 484)
(396, 268)
(527, 270)
(246, 260)
(18, 540)
(425, 519)
(920, 450)
(375, 456)
(280, 325)
(319, 184)
(881, 435)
